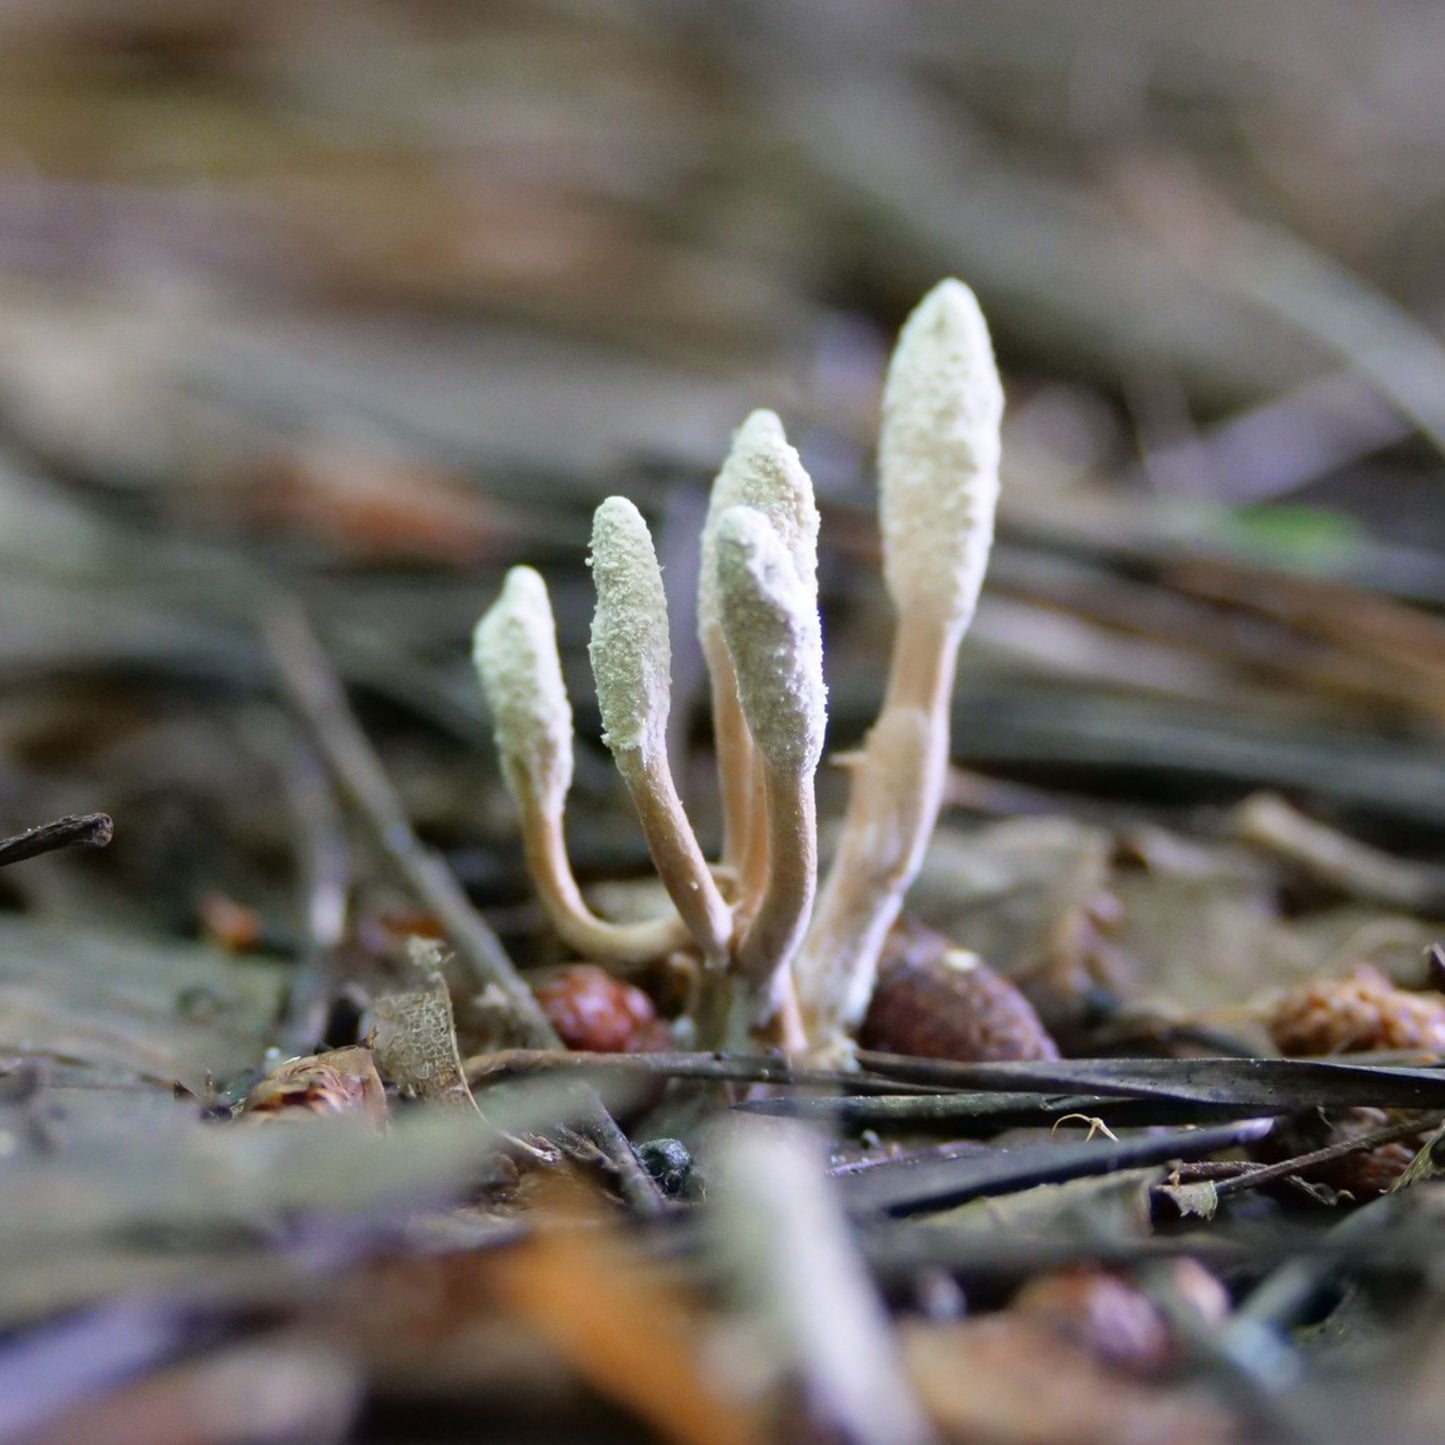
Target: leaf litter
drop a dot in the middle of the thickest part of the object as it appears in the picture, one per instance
(1203, 789)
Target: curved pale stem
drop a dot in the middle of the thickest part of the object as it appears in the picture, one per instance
(756, 861)
(675, 852)
(619, 945)
(776, 929)
(764, 1008)
(897, 789)
(734, 748)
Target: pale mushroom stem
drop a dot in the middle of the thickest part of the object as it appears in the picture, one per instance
(764, 1015)
(765, 1007)
(618, 945)
(754, 876)
(675, 853)
(777, 928)
(734, 749)
(892, 808)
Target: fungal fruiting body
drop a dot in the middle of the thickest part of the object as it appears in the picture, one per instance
(770, 620)
(783, 971)
(632, 664)
(938, 461)
(515, 651)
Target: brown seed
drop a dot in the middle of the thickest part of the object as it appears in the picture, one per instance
(597, 1013)
(1359, 1012)
(947, 1003)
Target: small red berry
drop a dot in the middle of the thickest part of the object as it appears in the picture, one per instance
(594, 1012)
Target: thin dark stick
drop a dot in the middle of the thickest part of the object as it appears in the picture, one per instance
(495, 1068)
(311, 685)
(324, 866)
(1389, 1134)
(83, 830)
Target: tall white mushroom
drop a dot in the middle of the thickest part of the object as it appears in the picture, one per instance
(770, 621)
(938, 487)
(761, 471)
(632, 663)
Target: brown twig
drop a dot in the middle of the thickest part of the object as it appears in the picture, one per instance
(1389, 1134)
(483, 1069)
(324, 865)
(83, 830)
(311, 685)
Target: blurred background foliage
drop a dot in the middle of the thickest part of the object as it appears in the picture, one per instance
(365, 301)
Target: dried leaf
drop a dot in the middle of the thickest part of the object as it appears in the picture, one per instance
(635, 1338)
(1199, 1199)
(343, 1081)
(415, 1036)
(1003, 1379)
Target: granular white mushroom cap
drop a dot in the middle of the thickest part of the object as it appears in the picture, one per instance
(770, 620)
(761, 471)
(515, 652)
(630, 647)
(938, 456)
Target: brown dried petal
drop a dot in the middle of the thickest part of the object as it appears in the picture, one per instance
(1005, 1377)
(1113, 1319)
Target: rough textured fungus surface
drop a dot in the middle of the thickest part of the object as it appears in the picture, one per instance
(761, 471)
(515, 650)
(938, 456)
(770, 618)
(630, 650)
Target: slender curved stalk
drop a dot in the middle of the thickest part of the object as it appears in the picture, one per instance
(618, 945)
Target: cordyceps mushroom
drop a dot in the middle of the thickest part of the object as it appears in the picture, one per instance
(768, 949)
(632, 663)
(763, 472)
(515, 651)
(770, 620)
(938, 486)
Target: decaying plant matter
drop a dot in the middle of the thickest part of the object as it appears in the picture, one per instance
(779, 970)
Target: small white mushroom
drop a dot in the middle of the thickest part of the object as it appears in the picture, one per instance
(770, 620)
(938, 486)
(515, 652)
(631, 661)
(938, 456)
(761, 471)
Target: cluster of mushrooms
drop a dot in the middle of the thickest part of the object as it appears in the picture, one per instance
(782, 962)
